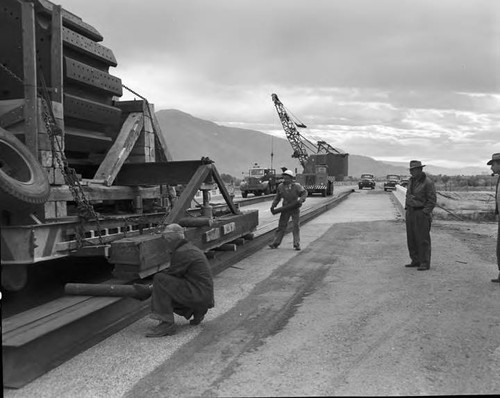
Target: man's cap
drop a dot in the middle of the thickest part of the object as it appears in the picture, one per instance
(495, 156)
(174, 228)
(288, 173)
(416, 163)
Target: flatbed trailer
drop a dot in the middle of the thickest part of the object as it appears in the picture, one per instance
(81, 170)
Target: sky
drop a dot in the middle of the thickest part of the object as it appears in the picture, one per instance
(391, 79)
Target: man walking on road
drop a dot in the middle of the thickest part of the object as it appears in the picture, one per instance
(293, 195)
(185, 287)
(495, 168)
(420, 201)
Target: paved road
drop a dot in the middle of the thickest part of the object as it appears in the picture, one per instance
(341, 317)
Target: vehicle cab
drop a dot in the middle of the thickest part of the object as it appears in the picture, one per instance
(259, 181)
(391, 181)
(367, 180)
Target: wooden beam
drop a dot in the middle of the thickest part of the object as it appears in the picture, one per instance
(56, 73)
(99, 192)
(12, 117)
(120, 149)
(30, 81)
(171, 173)
(159, 134)
(187, 195)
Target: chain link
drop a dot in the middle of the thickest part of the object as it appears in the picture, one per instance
(85, 209)
(12, 74)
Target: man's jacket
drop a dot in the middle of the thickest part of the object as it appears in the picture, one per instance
(421, 194)
(193, 283)
(290, 193)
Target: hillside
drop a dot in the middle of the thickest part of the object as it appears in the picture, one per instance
(235, 150)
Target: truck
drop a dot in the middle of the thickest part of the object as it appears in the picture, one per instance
(391, 181)
(316, 178)
(82, 173)
(259, 181)
(367, 180)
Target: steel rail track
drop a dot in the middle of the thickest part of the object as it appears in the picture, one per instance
(41, 339)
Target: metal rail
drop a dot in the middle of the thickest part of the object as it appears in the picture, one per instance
(38, 340)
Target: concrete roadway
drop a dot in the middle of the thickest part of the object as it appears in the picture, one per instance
(341, 317)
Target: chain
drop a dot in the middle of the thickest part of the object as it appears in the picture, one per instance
(12, 74)
(84, 207)
(17, 78)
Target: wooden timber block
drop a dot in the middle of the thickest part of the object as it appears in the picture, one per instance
(46, 158)
(226, 247)
(58, 177)
(144, 251)
(61, 208)
(49, 210)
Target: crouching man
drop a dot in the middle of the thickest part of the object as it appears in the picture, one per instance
(185, 288)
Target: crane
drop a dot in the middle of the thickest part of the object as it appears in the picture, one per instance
(317, 159)
(296, 140)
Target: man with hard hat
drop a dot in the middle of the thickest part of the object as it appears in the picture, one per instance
(495, 168)
(185, 287)
(420, 202)
(293, 195)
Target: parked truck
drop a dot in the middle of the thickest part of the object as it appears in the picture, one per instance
(259, 181)
(81, 172)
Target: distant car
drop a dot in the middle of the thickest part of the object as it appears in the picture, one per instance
(367, 181)
(404, 181)
(391, 181)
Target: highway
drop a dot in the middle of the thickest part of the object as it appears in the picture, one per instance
(341, 317)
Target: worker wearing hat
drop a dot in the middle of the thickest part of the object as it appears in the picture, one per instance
(293, 195)
(420, 202)
(185, 288)
(495, 168)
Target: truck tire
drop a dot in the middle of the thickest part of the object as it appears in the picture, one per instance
(22, 179)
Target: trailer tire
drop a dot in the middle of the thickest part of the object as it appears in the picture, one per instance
(22, 178)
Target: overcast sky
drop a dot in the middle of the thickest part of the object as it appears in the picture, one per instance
(391, 79)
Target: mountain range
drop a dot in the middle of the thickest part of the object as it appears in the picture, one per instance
(235, 150)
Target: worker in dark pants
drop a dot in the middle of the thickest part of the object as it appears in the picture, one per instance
(495, 168)
(292, 193)
(420, 201)
(185, 288)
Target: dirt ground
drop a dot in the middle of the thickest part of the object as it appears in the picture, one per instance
(345, 317)
(341, 317)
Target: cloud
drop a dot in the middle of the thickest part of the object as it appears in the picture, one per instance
(377, 78)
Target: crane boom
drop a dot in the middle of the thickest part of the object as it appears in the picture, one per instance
(293, 136)
(325, 147)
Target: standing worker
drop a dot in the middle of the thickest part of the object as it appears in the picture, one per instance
(185, 287)
(495, 168)
(420, 201)
(293, 195)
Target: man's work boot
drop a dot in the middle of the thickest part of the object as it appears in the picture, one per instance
(296, 247)
(273, 246)
(412, 265)
(143, 291)
(198, 316)
(423, 267)
(497, 280)
(162, 329)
